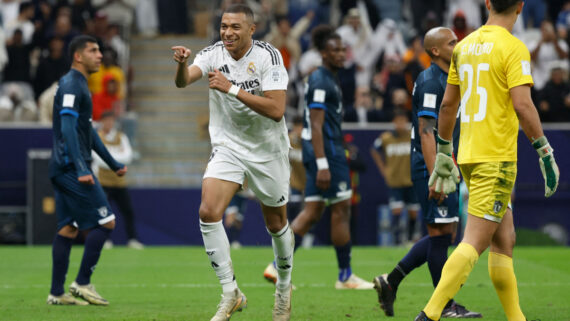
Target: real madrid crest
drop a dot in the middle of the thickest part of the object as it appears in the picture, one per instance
(251, 68)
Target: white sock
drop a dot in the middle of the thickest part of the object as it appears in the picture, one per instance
(283, 247)
(218, 250)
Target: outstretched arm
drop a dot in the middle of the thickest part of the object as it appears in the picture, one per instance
(185, 75)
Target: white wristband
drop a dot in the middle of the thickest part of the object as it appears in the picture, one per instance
(322, 163)
(234, 90)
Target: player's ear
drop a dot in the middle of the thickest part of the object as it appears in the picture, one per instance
(520, 7)
(252, 28)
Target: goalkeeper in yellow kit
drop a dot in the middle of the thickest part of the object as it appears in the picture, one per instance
(490, 79)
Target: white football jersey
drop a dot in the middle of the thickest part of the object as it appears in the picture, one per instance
(234, 125)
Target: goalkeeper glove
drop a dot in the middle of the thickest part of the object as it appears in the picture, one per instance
(548, 165)
(445, 174)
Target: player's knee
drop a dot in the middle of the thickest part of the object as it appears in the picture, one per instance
(69, 231)
(208, 213)
(110, 225)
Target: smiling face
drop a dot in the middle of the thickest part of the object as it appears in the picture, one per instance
(236, 31)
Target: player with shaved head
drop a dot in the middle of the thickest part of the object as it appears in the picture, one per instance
(441, 215)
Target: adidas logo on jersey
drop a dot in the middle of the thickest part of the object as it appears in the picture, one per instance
(282, 199)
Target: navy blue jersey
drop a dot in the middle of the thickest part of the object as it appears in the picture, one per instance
(72, 98)
(323, 92)
(427, 96)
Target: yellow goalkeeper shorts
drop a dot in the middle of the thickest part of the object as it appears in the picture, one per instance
(490, 186)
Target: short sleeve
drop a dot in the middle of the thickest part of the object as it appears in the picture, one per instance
(69, 99)
(203, 59)
(273, 75)
(517, 66)
(429, 98)
(317, 93)
(453, 77)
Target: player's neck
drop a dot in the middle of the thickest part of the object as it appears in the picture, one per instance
(237, 55)
(442, 64)
(81, 70)
(505, 21)
(330, 68)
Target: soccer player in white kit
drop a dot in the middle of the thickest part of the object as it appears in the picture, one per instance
(249, 139)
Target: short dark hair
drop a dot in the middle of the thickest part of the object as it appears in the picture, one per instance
(502, 6)
(240, 8)
(321, 34)
(79, 43)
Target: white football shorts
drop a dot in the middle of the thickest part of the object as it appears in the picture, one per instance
(268, 180)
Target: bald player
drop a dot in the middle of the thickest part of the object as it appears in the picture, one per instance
(441, 215)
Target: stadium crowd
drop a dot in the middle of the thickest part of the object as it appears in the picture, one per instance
(383, 39)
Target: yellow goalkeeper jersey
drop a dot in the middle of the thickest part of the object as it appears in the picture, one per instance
(486, 65)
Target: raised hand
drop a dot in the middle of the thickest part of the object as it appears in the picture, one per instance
(181, 54)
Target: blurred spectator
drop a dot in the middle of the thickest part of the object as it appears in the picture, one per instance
(9, 10)
(43, 24)
(459, 25)
(120, 12)
(545, 52)
(62, 28)
(391, 153)
(286, 39)
(17, 103)
(3, 53)
(108, 99)
(470, 10)
(389, 9)
(116, 187)
(18, 67)
(51, 67)
(309, 61)
(563, 21)
(108, 66)
(427, 14)
(386, 43)
(147, 17)
(112, 38)
(416, 60)
(554, 98)
(362, 107)
(23, 22)
(534, 12)
(390, 78)
(355, 34)
(82, 13)
(45, 104)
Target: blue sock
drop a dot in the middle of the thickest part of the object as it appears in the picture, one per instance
(343, 258)
(415, 257)
(298, 241)
(60, 262)
(93, 245)
(437, 255)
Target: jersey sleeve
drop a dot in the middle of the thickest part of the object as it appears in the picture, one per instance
(317, 94)
(69, 99)
(202, 60)
(273, 75)
(429, 97)
(453, 77)
(517, 66)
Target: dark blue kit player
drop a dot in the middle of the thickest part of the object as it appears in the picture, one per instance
(80, 201)
(440, 215)
(324, 156)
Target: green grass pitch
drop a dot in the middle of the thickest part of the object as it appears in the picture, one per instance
(177, 283)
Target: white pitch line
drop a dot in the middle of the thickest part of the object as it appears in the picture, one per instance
(245, 285)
